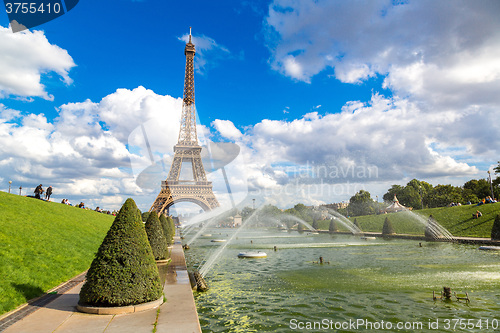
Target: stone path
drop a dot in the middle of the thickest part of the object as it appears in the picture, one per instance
(56, 313)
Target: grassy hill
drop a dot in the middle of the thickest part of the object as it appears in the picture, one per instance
(43, 244)
(457, 220)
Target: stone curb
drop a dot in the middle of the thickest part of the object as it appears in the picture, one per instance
(163, 261)
(114, 310)
(47, 297)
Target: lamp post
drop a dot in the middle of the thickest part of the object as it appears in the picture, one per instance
(491, 184)
(10, 183)
(20, 189)
(253, 204)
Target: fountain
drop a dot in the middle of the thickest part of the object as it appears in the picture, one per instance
(390, 280)
(344, 221)
(433, 230)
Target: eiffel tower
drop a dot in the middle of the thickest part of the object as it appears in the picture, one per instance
(187, 150)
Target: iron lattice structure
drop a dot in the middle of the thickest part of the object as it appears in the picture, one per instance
(197, 190)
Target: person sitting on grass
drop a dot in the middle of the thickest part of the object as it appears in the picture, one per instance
(477, 215)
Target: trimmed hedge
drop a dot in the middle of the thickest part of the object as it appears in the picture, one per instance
(333, 227)
(168, 228)
(388, 229)
(495, 231)
(156, 236)
(124, 271)
(356, 223)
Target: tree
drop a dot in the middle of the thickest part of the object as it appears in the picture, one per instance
(443, 195)
(246, 212)
(303, 212)
(395, 190)
(300, 227)
(315, 225)
(415, 194)
(387, 229)
(124, 271)
(495, 231)
(481, 187)
(145, 216)
(496, 181)
(156, 236)
(333, 227)
(361, 204)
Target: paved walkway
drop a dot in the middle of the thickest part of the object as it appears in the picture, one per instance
(177, 314)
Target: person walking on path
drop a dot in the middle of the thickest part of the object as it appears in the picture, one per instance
(48, 193)
(38, 191)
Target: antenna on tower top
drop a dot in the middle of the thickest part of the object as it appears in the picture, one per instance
(190, 34)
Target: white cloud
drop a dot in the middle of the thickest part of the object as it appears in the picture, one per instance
(83, 153)
(370, 145)
(439, 59)
(227, 129)
(25, 57)
(208, 52)
(445, 53)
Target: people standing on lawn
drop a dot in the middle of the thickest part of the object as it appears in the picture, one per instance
(48, 193)
(38, 191)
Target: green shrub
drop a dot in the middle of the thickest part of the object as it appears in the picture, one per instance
(495, 231)
(156, 236)
(315, 225)
(145, 216)
(333, 226)
(168, 228)
(123, 271)
(387, 229)
(356, 223)
(171, 225)
(300, 227)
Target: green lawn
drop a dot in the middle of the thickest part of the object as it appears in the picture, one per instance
(457, 220)
(43, 244)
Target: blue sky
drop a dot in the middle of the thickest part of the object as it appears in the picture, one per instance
(408, 88)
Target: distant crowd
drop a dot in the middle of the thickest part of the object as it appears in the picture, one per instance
(487, 200)
(39, 195)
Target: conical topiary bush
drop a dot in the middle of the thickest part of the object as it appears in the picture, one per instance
(166, 230)
(156, 236)
(387, 229)
(171, 226)
(315, 224)
(333, 227)
(124, 271)
(495, 231)
(356, 223)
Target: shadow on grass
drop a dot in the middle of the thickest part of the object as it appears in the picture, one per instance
(474, 226)
(460, 223)
(27, 290)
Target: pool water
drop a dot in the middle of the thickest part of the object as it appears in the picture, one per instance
(362, 281)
